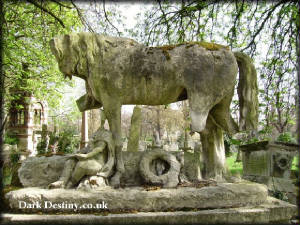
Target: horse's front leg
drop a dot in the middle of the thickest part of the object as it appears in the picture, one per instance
(113, 114)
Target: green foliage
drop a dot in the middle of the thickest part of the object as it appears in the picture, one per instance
(68, 141)
(148, 139)
(287, 137)
(295, 163)
(28, 63)
(41, 147)
(14, 157)
(11, 139)
(279, 195)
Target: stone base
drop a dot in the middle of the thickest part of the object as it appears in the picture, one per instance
(223, 195)
(275, 184)
(272, 211)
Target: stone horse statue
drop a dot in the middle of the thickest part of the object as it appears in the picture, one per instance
(120, 71)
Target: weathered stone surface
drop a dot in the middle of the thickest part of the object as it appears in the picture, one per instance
(157, 176)
(279, 209)
(213, 151)
(243, 215)
(41, 171)
(121, 71)
(135, 127)
(256, 163)
(51, 168)
(191, 166)
(170, 70)
(132, 176)
(223, 195)
(268, 159)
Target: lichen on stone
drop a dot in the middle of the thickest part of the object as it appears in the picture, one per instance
(207, 45)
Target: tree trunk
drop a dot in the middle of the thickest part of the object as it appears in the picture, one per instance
(1, 100)
(298, 70)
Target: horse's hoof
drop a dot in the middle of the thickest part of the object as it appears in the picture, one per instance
(115, 180)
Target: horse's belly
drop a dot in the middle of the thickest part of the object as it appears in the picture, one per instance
(144, 94)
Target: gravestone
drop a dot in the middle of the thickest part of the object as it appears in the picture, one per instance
(134, 135)
(270, 163)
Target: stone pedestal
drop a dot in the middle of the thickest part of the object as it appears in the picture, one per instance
(224, 203)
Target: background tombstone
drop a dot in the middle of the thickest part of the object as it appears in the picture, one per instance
(270, 163)
(134, 133)
(84, 130)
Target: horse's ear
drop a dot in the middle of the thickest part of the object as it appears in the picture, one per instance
(67, 38)
(54, 48)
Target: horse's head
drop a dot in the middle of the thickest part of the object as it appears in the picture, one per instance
(74, 52)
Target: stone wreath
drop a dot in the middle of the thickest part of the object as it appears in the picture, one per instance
(169, 179)
(283, 161)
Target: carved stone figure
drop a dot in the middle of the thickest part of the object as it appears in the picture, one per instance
(96, 159)
(121, 71)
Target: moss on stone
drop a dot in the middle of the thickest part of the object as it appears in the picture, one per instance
(207, 45)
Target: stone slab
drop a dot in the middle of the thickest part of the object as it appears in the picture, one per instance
(224, 195)
(273, 183)
(266, 213)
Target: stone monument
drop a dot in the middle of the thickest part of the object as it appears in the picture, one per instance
(155, 186)
(270, 163)
(157, 76)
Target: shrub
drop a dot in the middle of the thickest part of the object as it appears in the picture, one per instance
(68, 141)
(286, 137)
(11, 139)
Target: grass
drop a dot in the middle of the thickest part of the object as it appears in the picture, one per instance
(234, 167)
(295, 164)
(237, 167)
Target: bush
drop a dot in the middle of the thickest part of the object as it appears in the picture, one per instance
(41, 147)
(11, 139)
(14, 157)
(286, 137)
(68, 141)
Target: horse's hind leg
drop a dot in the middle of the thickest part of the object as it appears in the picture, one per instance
(113, 114)
(221, 115)
(213, 151)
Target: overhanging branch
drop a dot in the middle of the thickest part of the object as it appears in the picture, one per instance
(46, 11)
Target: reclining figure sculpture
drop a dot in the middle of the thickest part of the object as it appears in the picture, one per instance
(95, 159)
(121, 71)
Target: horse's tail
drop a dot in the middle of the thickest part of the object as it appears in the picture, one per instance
(247, 92)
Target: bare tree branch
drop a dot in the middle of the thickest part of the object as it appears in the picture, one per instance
(82, 19)
(47, 11)
(60, 4)
(262, 25)
(106, 17)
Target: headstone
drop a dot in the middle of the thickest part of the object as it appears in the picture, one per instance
(268, 159)
(270, 163)
(134, 135)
